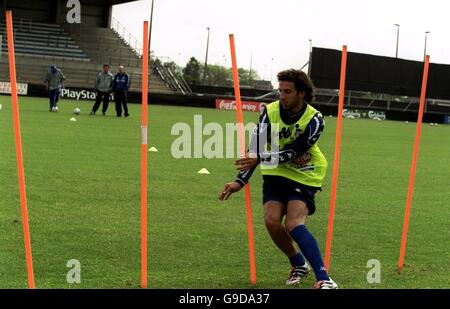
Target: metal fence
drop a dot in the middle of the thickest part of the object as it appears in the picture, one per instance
(382, 101)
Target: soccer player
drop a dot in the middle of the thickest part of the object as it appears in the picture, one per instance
(53, 80)
(103, 84)
(120, 88)
(284, 143)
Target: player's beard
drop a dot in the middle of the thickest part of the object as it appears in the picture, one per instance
(288, 107)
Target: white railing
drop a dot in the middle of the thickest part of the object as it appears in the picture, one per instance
(126, 35)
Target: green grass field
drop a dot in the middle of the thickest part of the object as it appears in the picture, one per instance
(83, 187)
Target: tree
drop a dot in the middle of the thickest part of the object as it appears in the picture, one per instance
(157, 62)
(245, 78)
(217, 75)
(191, 72)
(173, 67)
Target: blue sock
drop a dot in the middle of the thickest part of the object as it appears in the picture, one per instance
(297, 260)
(310, 249)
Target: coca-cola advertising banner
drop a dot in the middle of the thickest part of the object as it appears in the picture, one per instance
(226, 104)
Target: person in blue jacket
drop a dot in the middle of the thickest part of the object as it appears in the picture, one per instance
(121, 84)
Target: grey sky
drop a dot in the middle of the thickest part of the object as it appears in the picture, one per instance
(281, 29)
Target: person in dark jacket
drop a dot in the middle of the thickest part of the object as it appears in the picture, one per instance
(121, 85)
(54, 81)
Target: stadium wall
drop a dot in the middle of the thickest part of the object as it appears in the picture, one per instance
(94, 13)
(250, 92)
(37, 10)
(209, 101)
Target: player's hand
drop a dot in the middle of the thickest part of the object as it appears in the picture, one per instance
(248, 162)
(229, 189)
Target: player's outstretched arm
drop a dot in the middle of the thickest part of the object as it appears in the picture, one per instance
(229, 189)
(249, 162)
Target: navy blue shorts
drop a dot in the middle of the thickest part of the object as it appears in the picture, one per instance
(54, 96)
(283, 190)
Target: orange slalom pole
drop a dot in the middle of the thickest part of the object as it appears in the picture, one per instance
(412, 175)
(337, 155)
(19, 154)
(144, 159)
(240, 118)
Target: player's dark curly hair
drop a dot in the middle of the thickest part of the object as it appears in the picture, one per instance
(301, 81)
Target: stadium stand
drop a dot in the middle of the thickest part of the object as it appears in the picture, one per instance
(42, 37)
(385, 83)
(80, 54)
